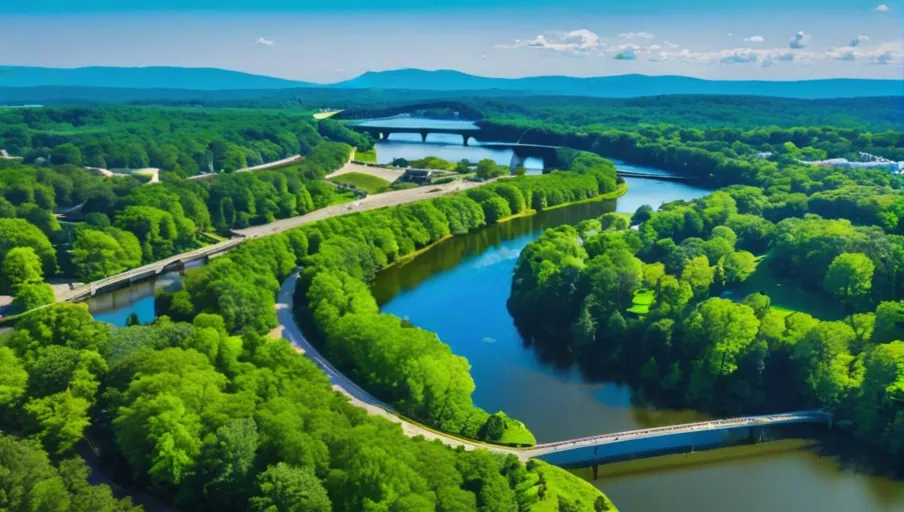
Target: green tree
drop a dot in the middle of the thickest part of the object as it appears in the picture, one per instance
(283, 488)
(16, 233)
(850, 277)
(58, 420)
(31, 296)
(699, 275)
(22, 266)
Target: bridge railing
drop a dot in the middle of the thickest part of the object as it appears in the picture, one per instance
(92, 287)
(687, 427)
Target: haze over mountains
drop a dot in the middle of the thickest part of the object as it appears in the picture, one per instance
(622, 86)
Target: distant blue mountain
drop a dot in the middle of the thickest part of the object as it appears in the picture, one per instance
(622, 86)
(206, 79)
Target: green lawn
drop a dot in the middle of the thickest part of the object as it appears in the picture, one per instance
(365, 182)
(786, 296)
(643, 299)
(369, 156)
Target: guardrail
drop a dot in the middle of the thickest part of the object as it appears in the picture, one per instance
(690, 427)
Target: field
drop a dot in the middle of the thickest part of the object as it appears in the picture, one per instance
(369, 156)
(786, 296)
(365, 182)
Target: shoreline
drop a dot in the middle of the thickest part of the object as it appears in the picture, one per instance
(615, 194)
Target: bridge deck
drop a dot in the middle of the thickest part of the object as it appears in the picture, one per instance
(744, 422)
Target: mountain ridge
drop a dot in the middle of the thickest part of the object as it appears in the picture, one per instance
(615, 86)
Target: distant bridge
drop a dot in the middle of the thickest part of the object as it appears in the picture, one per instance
(383, 132)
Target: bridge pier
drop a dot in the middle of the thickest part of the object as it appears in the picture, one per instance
(465, 138)
(424, 136)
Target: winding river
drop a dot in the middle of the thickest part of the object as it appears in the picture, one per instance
(459, 288)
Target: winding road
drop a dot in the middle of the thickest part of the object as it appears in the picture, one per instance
(289, 330)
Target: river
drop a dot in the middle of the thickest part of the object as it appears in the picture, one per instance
(443, 145)
(459, 288)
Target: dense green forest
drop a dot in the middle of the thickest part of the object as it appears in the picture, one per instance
(721, 156)
(206, 411)
(181, 141)
(871, 114)
(655, 305)
(398, 363)
(123, 224)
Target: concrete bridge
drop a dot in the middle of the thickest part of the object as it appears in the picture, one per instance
(146, 272)
(383, 132)
(651, 442)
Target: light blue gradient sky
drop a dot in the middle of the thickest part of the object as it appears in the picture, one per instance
(329, 41)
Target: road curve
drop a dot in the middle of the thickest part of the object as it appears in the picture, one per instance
(289, 330)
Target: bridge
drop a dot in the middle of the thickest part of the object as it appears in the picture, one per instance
(581, 452)
(146, 272)
(383, 132)
(652, 442)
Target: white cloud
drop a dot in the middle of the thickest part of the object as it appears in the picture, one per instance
(755, 39)
(799, 40)
(575, 41)
(265, 42)
(857, 40)
(484, 57)
(670, 44)
(883, 8)
(636, 35)
(766, 57)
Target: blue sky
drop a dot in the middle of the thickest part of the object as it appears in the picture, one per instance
(327, 41)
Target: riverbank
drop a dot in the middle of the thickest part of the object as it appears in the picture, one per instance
(619, 192)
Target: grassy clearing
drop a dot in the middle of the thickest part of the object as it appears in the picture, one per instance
(559, 483)
(643, 299)
(369, 156)
(786, 296)
(365, 182)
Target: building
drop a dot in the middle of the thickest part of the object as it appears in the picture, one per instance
(419, 176)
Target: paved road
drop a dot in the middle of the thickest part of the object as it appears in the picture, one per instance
(370, 202)
(289, 330)
(268, 165)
